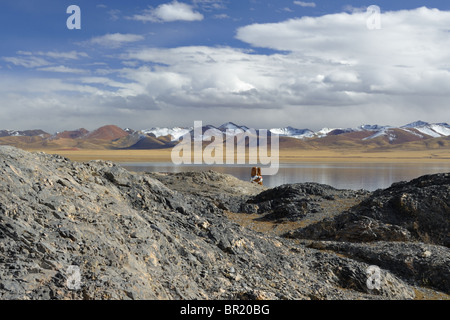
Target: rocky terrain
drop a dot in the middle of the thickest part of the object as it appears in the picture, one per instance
(192, 236)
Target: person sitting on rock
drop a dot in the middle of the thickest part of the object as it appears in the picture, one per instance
(256, 176)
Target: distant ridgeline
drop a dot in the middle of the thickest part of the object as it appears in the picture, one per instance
(418, 135)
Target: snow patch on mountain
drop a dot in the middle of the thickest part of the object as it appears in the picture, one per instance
(371, 127)
(379, 133)
(230, 126)
(175, 132)
(416, 124)
(441, 128)
(324, 132)
(419, 128)
(293, 132)
(435, 130)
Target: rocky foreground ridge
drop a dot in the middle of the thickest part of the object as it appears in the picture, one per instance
(180, 236)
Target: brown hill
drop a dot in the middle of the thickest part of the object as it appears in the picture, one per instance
(107, 137)
(23, 141)
(108, 132)
(360, 140)
(344, 140)
(398, 136)
(293, 143)
(442, 143)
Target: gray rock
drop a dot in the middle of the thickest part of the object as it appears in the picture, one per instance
(301, 201)
(154, 236)
(425, 264)
(418, 210)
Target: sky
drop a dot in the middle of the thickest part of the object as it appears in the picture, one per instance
(264, 64)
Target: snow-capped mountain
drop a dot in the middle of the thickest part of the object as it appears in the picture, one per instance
(365, 136)
(418, 129)
(434, 130)
(293, 132)
(370, 127)
(175, 132)
(415, 124)
(230, 126)
(382, 131)
(207, 131)
(25, 133)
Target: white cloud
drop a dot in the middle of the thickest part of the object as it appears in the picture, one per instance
(63, 69)
(305, 4)
(114, 14)
(417, 39)
(27, 61)
(332, 64)
(331, 70)
(44, 87)
(221, 16)
(286, 9)
(193, 75)
(30, 59)
(209, 5)
(115, 40)
(169, 12)
(63, 55)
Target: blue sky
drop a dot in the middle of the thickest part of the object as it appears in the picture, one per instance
(140, 64)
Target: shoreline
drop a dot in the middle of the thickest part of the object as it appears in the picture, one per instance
(286, 156)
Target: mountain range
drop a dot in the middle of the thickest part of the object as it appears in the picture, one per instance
(419, 128)
(414, 135)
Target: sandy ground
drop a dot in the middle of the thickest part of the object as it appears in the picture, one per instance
(286, 156)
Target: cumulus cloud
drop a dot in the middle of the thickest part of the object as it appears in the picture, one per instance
(403, 57)
(207, 77)
(326, 70)
(329, 64)
(169, 12)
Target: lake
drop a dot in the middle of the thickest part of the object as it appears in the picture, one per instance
(369, 176)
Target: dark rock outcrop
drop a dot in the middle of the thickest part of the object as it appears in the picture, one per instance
(293, 202)
(404, 228)
(418, 210)
(428, 265)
